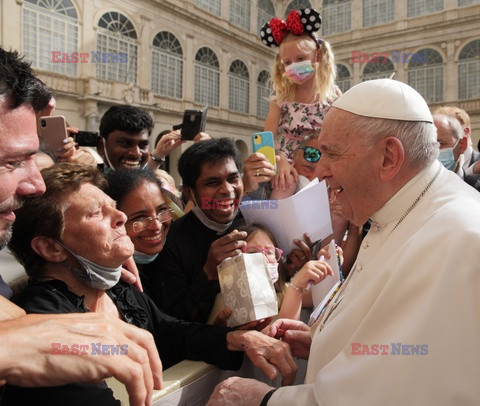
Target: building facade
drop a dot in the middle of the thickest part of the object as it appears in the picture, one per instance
(170, 55)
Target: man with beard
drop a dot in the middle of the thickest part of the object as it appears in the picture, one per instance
(27, 339)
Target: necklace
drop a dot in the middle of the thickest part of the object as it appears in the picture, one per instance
(343, 285)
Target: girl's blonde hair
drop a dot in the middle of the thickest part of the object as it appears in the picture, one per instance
(326, 70)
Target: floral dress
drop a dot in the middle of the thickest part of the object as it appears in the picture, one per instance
(297, 120)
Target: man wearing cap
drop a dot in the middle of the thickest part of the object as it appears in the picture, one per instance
(404, 328)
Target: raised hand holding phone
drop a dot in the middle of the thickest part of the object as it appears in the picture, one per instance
(264, 143)
(52, 131)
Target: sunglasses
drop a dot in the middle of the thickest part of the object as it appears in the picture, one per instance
(311, 154)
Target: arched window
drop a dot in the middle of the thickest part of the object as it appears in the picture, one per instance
(50, 34)
(207, 77)
(266, 11)
(378, 68)
(238, 86)
(377, 12)
(116, 55)
(212, 6)
(469, 71)
(421, 7)
(343, 78)
(240, 13)
(264, 90)
(336, 16)
(425, 74)
(167, 65)
(297, 5)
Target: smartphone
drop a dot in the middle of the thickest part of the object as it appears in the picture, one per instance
(263, 142)
(52, 132)
(192, 124)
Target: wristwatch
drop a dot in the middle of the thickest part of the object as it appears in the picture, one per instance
(157, 158)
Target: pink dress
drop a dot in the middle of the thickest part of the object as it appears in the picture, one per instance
(297, 120)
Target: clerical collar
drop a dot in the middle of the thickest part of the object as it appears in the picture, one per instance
(403, 199)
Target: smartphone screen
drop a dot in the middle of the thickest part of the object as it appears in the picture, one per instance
(52, 131)
(263, 142)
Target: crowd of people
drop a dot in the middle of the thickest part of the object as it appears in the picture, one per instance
(116, 254)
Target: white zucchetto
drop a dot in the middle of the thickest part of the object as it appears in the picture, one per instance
(385, 98)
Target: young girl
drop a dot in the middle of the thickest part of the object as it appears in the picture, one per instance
(304, 81)
(291, 295)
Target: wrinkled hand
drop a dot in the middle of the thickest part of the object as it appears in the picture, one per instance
(286, 177)
(265, 352)
(237, 391)
(229, 245)
(298, 257)
(295, 333)
(255, 164)
(27, 359)
(131, 275)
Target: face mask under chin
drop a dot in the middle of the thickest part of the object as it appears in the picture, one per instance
(91, 274)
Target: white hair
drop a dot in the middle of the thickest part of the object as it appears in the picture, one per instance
(419, 138)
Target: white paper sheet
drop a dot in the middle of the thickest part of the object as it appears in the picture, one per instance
(307, 211)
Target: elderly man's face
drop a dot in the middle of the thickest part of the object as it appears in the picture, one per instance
(445, 137)
(95, 229)
(125, 150)
(19, 175)
(218, 190)
(348, 166)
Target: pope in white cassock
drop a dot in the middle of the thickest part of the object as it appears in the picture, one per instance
(404, 328)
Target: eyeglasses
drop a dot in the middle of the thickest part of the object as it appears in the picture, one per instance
(272, 254)
(142, 223)
(311, 154)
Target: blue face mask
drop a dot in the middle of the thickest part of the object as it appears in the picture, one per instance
(447, 159)
(141, 258)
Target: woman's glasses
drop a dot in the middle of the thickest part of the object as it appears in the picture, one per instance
(311, 154)
(142, 223)
(272, 254)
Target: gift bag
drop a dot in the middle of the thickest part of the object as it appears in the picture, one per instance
(247, 288)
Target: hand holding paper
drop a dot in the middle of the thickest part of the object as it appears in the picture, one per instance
(307, 211)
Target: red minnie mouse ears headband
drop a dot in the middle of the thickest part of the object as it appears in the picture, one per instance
(305, 21)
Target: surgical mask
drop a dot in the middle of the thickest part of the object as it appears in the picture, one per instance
(106, 156)
(299, 72)
(447, 159)
(220, 228)
(94, 275)
(273, 271)
(141, 258)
